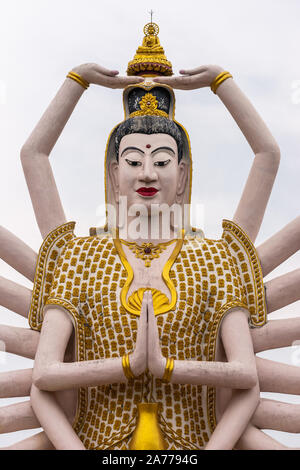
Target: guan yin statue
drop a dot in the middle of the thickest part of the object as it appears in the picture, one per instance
(145, 332)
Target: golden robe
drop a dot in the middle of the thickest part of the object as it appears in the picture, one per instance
(90, 276)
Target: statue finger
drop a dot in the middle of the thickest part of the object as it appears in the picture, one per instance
(105, 71)
(120, 82)
(142, 324)
(144, 309)
(150, 304)
(193, 71)
(171, 81)
(181, 83)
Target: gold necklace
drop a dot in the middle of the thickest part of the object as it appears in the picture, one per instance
(147, 251)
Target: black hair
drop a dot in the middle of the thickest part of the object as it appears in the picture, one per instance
(149, 125)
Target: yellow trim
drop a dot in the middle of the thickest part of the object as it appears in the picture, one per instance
(177, 438)
(82, 401)
(82, 392)
(260, 316)
(211, 345)
(40, 273)
(219, 79)
(165, 276)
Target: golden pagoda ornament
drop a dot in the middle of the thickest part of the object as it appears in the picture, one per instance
(150, 59)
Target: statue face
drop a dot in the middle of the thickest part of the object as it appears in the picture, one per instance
(148, 171)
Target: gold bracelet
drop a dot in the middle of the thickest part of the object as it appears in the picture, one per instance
(126, 367)
(168, 370)
(78, 79)
(218, 80)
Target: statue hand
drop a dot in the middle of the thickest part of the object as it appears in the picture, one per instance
(199, 77)
(138, 359)
(156, 361)
(98, 75)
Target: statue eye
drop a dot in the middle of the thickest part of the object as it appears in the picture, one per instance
(133, 162)
(162, 163)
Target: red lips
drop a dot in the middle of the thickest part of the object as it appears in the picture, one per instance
(147, 191)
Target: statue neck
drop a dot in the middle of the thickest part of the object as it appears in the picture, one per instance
(148, 229)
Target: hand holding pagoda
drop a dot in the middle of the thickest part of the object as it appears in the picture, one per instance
(98, 75)
(191, 79)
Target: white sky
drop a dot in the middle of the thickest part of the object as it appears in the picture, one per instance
(41, 40)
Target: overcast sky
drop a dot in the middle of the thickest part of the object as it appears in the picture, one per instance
(41, 40)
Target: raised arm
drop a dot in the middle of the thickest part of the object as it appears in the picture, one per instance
(36, 150)
(252, 205)
(251, 208)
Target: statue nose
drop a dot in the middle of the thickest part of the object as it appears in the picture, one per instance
(148, 172)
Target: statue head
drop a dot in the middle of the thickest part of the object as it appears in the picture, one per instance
(149, 168)
(148, 157)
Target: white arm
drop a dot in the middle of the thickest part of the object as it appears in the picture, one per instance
(240, 370)
(251, 208)
(238, 373)
(54, 421)
(35, 152)
(237, 343)
(50, 373)
(252, 205)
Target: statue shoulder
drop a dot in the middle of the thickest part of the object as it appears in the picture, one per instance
(247, 264)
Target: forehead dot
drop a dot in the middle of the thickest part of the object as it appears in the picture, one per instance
(148, 146)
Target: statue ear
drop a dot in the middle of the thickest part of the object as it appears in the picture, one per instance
(114, 176)
(182, 177)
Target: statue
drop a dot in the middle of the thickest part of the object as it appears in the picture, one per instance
(149, 341)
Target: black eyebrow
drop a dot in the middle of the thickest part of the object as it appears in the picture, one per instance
(163, 148)
(131, 148)
(153, 151)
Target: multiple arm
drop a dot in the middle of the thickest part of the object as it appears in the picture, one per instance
(52, 374)
(239, 373)
(251, 208)
(35, 157)
(252, 205)
(36, 150)
(240, 370)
